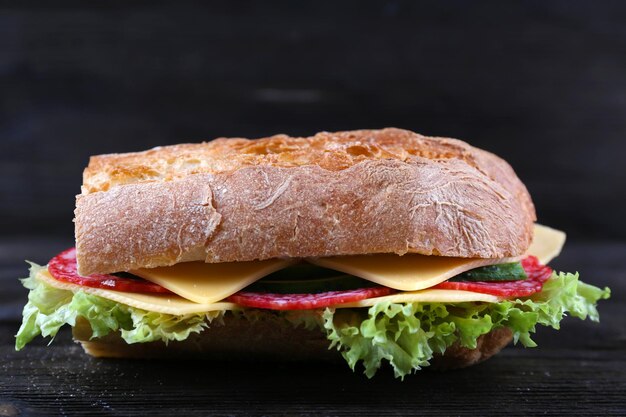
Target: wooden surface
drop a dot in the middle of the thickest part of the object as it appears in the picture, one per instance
(579, 370)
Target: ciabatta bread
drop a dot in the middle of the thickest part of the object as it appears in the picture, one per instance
(357, 192)
(269, 337)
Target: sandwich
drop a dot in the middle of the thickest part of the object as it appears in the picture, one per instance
(381, 247)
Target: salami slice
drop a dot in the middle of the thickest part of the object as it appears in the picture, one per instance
(305, 301)
(537, 273)
(63, 267)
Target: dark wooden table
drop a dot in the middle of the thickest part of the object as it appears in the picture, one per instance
(579, 370)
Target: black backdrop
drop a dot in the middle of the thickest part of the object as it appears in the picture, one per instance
(542, 84)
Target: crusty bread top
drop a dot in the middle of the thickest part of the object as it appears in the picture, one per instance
(332, 151)
(365, 191)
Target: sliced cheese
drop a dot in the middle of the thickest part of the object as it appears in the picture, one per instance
(409, 272)
(175, 305)
(547, 243)
(425, 296)
(413, 272)
(199, 286)
(159, 303)
(207, 283)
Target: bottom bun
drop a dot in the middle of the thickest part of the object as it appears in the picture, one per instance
(268, 337)
(487, 345)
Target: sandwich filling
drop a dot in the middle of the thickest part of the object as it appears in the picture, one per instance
(374, 309)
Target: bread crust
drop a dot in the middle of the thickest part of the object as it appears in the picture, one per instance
(345, 193)
(268, 338)
(487, 345)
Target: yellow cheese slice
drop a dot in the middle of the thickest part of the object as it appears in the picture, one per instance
(159, 303)
(425, 296)
(547, 243)
(173, 304)
(207, 283)
(410, 272)
(413, 272)
(199, 286)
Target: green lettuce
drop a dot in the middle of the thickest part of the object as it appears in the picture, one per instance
(49, 308)
(407, 336)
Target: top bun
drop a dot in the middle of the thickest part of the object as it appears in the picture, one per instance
(344, 193)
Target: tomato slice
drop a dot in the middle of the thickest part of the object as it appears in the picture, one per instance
(63, 267)
(537, 273)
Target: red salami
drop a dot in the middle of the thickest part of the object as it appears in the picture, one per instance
(305, 301)
(537, 273)
(63, 267)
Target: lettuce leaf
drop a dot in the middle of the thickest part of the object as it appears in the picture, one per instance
(49, 308)
(407, 336)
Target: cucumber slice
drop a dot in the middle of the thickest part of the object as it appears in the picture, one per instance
(503, 272)
(307, 279)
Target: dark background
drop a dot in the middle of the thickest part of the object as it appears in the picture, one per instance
(541, 83)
